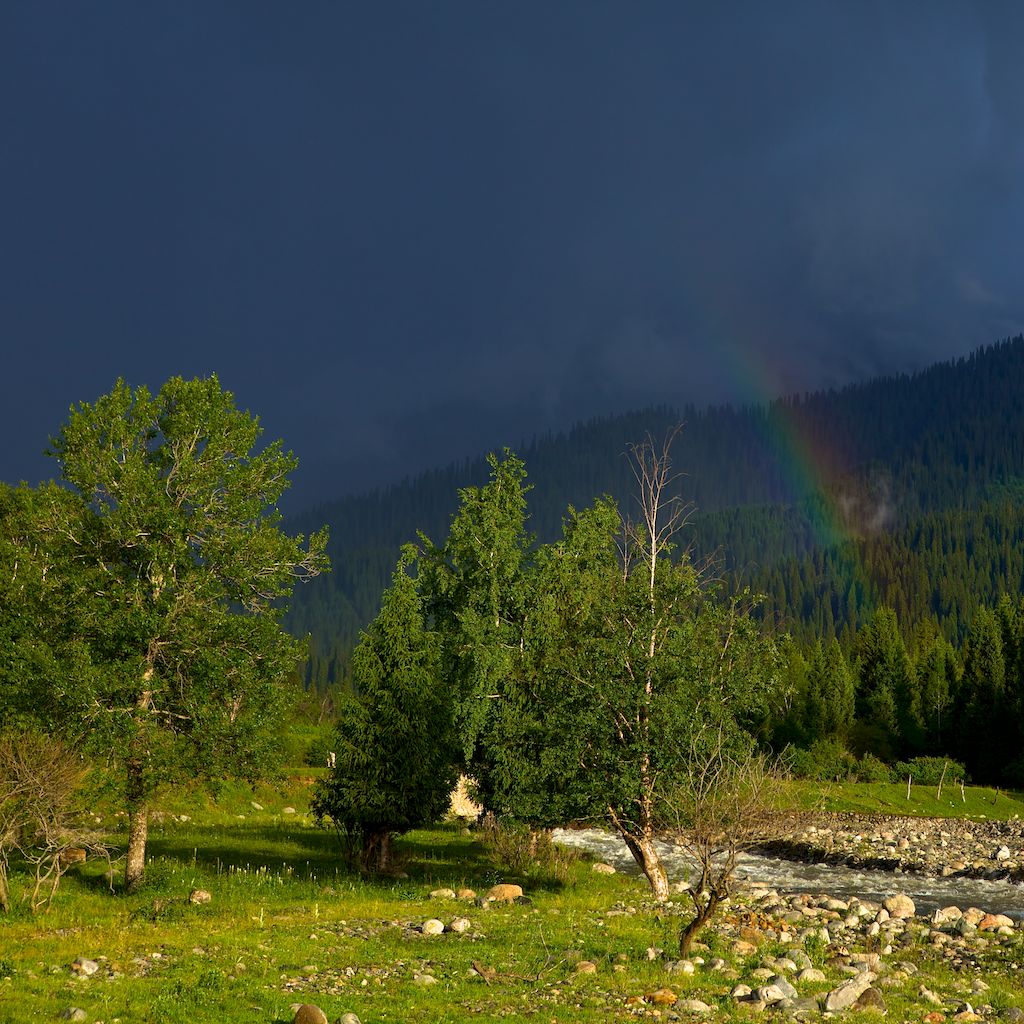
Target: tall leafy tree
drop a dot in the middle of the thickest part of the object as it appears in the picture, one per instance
(170, 539)
(624, 657)
(476, 585)
(395, 748)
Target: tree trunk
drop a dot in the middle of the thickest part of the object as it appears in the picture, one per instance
(689, 933)
(5, 899)
(138, 829)
(646, 856)
(377, 851)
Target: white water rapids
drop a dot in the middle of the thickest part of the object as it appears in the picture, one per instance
(842, 882)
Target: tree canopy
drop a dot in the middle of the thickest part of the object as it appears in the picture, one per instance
(164, 539)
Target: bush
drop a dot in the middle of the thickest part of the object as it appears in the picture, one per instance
(524, 851)
(927, 771)
(41, 814)
(871, 769)
(823, 761)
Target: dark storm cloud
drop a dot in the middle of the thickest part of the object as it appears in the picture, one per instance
(404, 232)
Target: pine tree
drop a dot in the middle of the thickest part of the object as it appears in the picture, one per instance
(395, 749)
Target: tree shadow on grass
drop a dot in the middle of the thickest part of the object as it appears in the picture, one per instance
(442, 857)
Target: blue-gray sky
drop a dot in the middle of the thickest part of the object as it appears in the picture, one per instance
(403, 232)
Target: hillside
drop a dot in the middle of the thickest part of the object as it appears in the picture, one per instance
(829, 502)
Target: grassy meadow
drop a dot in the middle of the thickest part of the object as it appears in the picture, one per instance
(288, 923)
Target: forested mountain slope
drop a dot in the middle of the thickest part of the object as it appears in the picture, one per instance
(901, 490)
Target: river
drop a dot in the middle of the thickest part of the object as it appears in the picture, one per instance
(843, 882)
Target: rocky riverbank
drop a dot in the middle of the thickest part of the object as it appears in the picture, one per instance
(933, 847)
(831, 955)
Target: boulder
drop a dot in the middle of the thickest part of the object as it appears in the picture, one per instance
(693, 1006)
(844, 995)
(991, 922)
(603, 869)
(442, 894)
(946, 916)
(663, 997)
(432, 927)
(504, 893)
(199, 896)
(899, 905)
(870, 999)
(85, 968)
(308, 1013)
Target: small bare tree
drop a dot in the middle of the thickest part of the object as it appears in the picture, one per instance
(40, 781)
(729, 801)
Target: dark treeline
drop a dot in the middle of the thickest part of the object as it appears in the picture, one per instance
(890, 699)
(917, 478)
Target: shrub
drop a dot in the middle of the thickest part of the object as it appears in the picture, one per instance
(927, 771)
(524, 851)
(823, 761)
(871, 769)
(40, 816)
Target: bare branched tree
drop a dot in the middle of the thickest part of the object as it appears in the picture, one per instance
(729, 801)
(40, 822)
(646, 542)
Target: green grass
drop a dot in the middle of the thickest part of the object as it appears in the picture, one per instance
(288, 923)
(977, 802)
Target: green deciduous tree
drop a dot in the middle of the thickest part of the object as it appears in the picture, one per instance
(587, 666)
(174, 569)
(476, 587)
(395, 747)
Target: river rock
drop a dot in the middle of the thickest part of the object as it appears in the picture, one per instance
(870, 999)
(899, 905)
(73, 1013)
(349, 1018)
(442, 894)
(433, 927)
(309, 1013)
(663, 997)
(946, 916)
(85, 968)
(991, 922)
(810, 974)
(603, 869)
(460, 925)
(784, 986)
(769, 995)
(692, 1006)
(505, 893)
(199, 896)
(844, 995)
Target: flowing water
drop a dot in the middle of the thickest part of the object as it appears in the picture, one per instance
(843, 882)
